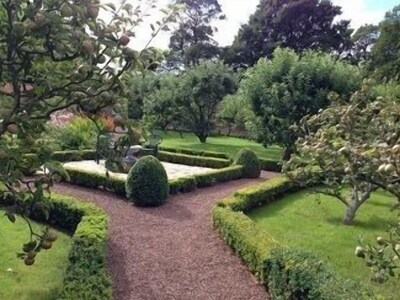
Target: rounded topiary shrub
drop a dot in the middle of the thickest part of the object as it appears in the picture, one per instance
(251, 165)
(147, 183)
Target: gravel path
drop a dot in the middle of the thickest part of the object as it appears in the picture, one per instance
(172, 252)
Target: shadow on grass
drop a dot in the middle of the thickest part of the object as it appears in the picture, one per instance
(373, 223)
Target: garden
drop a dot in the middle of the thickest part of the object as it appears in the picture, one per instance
(266, 169)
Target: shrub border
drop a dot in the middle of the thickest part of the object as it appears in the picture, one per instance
(86, 275)
(256, 247)
(193, 160)
(180, 185)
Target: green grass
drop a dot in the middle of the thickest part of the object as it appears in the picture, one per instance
(228, 145)
(300, 221)
(40, 281)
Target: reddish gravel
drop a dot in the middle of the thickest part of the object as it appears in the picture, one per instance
(172, 252)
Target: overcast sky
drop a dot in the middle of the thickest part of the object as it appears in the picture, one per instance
(238, 11)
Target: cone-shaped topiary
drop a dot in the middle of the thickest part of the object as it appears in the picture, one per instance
(249, 161)
(147, 183)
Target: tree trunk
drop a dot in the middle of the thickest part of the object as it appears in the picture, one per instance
(351, 213)
(287, 153)
(202, 138)
(229, 130)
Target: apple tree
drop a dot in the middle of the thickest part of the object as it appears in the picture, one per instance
(353, 148)
(56, 54)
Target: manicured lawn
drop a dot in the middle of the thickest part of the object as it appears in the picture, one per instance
(299, 221)
(228, 145)
(40, 281)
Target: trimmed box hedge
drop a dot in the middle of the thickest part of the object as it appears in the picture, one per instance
(196, 152)
(191, 160)
(181, 185)
(287, 273)
(266, 164)
(86, 275)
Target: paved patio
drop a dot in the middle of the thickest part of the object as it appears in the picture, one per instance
(174, 171)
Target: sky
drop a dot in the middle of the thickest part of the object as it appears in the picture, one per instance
(238, 11)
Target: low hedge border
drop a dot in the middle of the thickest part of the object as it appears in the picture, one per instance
(181, 185)
(192, 160)
(86, 275)
(266, 164)
(295, 274)
(196, 152)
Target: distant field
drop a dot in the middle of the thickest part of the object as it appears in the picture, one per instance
(228, 145)
(300, 221)
(40, 281)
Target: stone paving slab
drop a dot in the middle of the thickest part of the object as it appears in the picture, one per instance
(174, 171)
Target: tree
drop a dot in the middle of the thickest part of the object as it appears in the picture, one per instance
(160, 106)
(193, 39)
(289, 87)
(234, 112)
(138, 89)
(55, 55)
(355, 145)
(386, 52)
(300, 25)
(364, 40)
(201, 90)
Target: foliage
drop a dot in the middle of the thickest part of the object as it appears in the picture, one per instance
(283, 271)
(298, 274)
(80, 134)
(303, 220)
(56, 55)
(364, 39)
(86, 276)
(193, 39)
(352, 144)
(137, 89)
(46, 278)
(147, 183)
(289, 87)
(265, 193)
(160, 106)
(234, 111)
(213, 154)
(301, 25)
(192, 160)
(219, 176)
(386, 52)
(249, 161)
(383, 258)
(202, 89)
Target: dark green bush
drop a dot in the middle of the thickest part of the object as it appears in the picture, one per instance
(191, 160)
(147, 183)
(249, 161)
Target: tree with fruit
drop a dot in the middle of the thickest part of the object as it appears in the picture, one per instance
(55, 55)
(352, 149)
